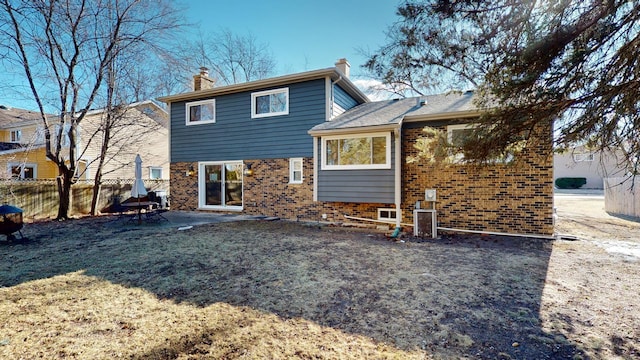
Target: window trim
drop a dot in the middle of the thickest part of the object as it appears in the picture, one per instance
(292, 161)
(255, 95)
(390, 210)
(458, 158)
(22, 166)
(151, 168)
(18, 135)
(188, 106)
(386, 165)
(452, 128)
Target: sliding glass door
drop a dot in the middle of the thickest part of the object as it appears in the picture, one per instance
(220, 185)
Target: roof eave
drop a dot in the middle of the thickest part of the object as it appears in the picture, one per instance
(443, 116)
(333, 73)
(354, 130)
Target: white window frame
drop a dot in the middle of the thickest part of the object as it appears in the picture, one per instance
(387, 218)
(151, 168)
(292, 170)
(585, 157)
(15, 136)
(188, 107)
(458, 158)
(22, 166)
(452, 128)
(258, 94)
(386, 165)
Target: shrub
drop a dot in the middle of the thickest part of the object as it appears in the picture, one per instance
(570, 183)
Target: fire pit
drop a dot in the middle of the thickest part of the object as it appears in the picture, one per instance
(10, 221)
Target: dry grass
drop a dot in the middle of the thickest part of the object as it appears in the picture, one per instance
(92, 290)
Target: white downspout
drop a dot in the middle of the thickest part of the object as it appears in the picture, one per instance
(315, 168)
(398, 174)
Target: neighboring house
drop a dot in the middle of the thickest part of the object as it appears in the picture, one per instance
(22, 152)
(311, 146)
(594, 166)
(143, 130)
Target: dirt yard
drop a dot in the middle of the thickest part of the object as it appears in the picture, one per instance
(94, 289)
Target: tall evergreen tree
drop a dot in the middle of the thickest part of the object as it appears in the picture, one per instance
(531, 62)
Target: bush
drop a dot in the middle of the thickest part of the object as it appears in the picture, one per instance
(570, 183)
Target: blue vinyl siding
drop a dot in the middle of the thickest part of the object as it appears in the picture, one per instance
(342, 99)
(236, 136)
(359, 186)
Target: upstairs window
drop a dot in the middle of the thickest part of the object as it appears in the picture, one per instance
(201, 112)
(270, 103)
(295, 171)
(357, 152)
(16, 136)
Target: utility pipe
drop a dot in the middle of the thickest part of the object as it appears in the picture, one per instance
(497, 233)
(376, 221)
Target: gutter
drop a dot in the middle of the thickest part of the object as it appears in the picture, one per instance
(443, 116)
(355, 130)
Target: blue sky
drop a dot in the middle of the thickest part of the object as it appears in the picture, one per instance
(302, 34)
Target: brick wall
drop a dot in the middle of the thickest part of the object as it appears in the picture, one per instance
(515, 198)
(268, 192)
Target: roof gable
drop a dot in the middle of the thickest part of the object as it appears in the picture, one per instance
(332, 73)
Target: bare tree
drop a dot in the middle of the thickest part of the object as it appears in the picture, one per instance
(65, 49)
(232, 58)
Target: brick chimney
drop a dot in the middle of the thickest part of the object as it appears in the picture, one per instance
(202, 81)
(344, 66)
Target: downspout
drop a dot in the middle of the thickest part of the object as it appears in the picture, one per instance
(398, 174)
(332, 96)
(315, 168)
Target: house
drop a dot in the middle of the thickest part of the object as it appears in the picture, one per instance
(142, 130)
(311, 146)
(22, 152)
(594, 166)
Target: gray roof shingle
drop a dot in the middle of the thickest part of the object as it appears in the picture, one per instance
(391, 112)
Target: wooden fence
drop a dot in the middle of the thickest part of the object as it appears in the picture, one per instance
(622, 196)
(38, 199)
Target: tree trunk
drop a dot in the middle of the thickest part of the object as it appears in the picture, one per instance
(95, 196)
(64, 192)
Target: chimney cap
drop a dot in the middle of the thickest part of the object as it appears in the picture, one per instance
(204, 71)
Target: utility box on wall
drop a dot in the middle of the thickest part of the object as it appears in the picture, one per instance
(430, 195)
(425, 223)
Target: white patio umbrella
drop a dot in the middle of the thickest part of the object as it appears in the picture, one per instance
(138, 190)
